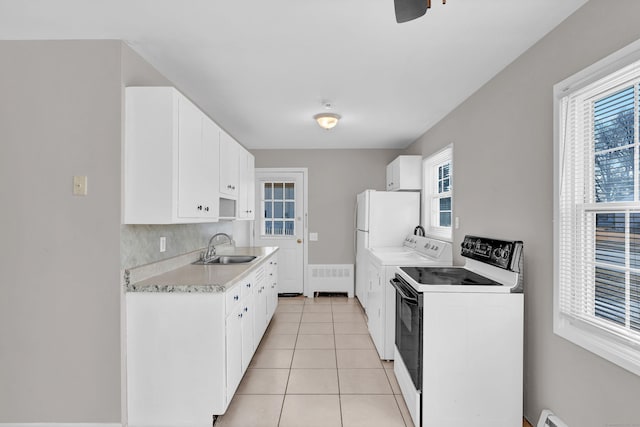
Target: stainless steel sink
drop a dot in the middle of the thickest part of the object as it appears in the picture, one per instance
(228, 259)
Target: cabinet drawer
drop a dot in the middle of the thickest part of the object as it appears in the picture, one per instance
(232, 299)
(247, 284)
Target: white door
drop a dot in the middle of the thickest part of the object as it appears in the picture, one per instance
(280, 203)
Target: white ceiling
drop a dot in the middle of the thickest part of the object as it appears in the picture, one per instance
(262, 68)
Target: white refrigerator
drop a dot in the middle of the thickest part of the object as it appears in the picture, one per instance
(383, 219)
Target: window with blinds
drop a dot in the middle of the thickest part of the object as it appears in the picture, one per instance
(438, 193)
(597, 212)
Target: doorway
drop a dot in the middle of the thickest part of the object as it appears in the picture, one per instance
(281, 220)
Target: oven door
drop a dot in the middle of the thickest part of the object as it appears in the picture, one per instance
(409, 305)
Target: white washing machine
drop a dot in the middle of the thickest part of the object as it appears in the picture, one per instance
(381, 296)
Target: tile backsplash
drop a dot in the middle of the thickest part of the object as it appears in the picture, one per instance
(140, 244)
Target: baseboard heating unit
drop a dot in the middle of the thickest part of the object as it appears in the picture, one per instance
(331, 278)
(547, 419)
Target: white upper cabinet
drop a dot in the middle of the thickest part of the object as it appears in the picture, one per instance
(247, 188)
(171, 159)
(405, 173)
(229, 162)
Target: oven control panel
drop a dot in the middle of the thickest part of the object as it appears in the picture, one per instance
(499, 253)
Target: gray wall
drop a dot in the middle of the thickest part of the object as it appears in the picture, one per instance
(335, 177)
(61, 114)
(503, 173)
(60, 254)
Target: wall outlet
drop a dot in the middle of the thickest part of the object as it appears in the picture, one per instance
(163, 244)
(313, 237)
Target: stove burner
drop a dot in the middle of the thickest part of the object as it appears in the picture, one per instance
(447, 276)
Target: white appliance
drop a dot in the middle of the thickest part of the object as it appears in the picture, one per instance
(382, 219)
(381, 296)
(548, 419)
(459, 337)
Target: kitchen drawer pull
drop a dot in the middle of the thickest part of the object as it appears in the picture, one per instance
(236, 297)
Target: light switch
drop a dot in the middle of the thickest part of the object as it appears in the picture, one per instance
(313, 237)
(163, 244)
(79, 185)
(457, 223)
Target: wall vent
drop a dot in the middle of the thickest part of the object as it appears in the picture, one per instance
(547, 419)
(331, 278)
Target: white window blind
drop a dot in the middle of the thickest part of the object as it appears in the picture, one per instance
(597, 290)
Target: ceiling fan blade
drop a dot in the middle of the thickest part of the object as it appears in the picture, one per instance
(407, 10)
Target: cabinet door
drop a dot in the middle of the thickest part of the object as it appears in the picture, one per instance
(374, 304)
(234, 350)
(210, 161)
(272, 287)
(390, 176)
(247, 320)
(190, 204)
(229, 151)
(246, 193)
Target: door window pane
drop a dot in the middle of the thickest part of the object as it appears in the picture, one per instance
(278, 191)
(289, 210)
(268, 209)
(289, 190)
(278, 228)
(289, 228)
(276, 209)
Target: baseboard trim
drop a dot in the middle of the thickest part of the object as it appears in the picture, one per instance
(61, 425)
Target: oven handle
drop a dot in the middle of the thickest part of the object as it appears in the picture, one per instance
(407, 298)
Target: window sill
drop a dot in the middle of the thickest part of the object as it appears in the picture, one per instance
(440, 233)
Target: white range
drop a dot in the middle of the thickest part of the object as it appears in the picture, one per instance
(381, 296)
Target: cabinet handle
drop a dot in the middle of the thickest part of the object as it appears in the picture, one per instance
(248, 285)
(235, 297)
(206, 209)
(240, 315)
(246, 309)
(199, 207)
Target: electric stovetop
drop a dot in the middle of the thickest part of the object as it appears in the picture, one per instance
(447, 276)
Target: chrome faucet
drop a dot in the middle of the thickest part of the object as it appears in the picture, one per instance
(211, 248)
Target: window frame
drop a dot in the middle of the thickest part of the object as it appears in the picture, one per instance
(589, 335)
(431, 196)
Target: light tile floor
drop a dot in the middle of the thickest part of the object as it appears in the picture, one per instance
(317, 366)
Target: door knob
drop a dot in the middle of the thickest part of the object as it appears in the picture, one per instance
(299, 240)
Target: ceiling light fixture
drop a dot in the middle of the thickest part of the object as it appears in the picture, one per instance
(327, 120)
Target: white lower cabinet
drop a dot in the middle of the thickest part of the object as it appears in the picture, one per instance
(272, 286)
(381, 300)
(233, 336)
(187, 352)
